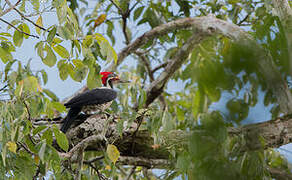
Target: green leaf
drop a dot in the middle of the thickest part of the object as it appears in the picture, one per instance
(44, 76)
(11, 146)
(182, 163)
(39, 22)
(62, 12)
(5, 55)
(41, 152)
(14, 22)
(80, 70)
(113, 153)
(64, 32)
(29, 84)
(57, 40)
(106, 49)
(36, 5)
(17, 38)
(50, 60)
(109, 31)
(61, 139)
(61, 51)
(8, 67)
(63, 69)
(59, 107)
(26, 29)
(92, 79)
(51, 94)
(40, 49)
(5, 34)
(77, 45)
(48, 136)
(51, 35)
(38, 129)
(138, 12)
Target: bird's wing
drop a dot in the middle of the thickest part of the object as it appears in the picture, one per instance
(92, 97)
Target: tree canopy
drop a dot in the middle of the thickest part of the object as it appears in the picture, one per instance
(197, 70)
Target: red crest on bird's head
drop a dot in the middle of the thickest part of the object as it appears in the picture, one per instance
(104, 77)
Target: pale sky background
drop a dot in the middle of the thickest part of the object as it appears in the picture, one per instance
(63, 89)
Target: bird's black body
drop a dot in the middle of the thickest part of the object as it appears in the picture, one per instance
(90, 101)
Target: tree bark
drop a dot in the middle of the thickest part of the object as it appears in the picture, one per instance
(270, 134)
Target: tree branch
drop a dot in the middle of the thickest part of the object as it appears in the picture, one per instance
(279, 174)
(156, 87)
(273, 133)
(160, 66)
(10, 7)
(18, 29)
(145, 162)
(23, 16)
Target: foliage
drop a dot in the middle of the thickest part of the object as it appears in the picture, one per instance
(217, 71)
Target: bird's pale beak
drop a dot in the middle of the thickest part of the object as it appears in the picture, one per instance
(123, 81)
(118, 80)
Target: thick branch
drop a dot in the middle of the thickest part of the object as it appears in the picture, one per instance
(180, 56)
(273, 133)
(280, 174)
(145, 162)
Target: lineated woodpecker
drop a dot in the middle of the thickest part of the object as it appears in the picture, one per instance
(92, 101)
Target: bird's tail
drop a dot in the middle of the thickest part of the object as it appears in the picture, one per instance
(72, 114)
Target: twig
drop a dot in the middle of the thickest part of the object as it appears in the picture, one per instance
(147, 64)
(125, 16)
(131, 172)
(244, 19)
(121, 169)
(131, 9)
(4, 87)
(100, 176)
(18, 29)
(23, 16)
(159, 67)
(27, 109)
(98, 158)
(125, 29)
(35, 177)
(10, 7)
(82, 145)
(116, 6)
(25, 148)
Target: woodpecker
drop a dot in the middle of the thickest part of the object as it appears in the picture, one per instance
(92, 101)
